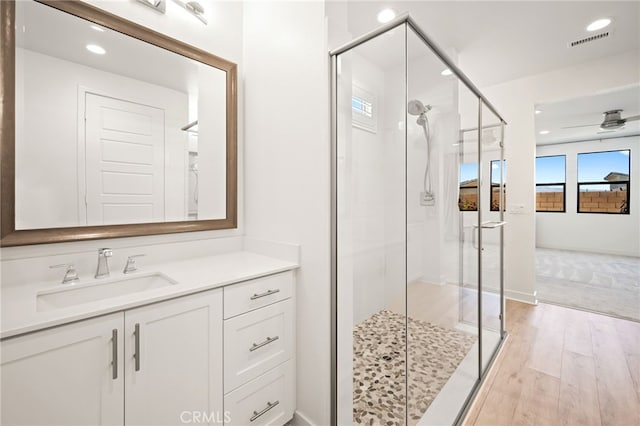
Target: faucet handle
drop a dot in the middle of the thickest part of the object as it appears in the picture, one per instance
(131, 263)
(106, 252)
(70, 274)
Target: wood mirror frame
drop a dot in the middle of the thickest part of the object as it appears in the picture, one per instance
(9, 236)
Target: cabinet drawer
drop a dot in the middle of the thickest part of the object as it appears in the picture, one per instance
(254, 294)
(267, 400)
(256, 342)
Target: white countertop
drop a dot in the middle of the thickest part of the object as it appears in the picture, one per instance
(19, 308)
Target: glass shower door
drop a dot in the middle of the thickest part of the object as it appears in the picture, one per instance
(491, 232)
(371, 239)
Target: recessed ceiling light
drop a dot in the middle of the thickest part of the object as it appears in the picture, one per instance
(94, 48)
(538, 111)
(598, 24)
(446, 71)
(386, 15)
(544, 132)
(97, 28)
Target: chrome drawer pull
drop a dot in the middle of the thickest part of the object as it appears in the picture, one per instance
(266, 293)
(266, 342)
(114, 353)
(264, 410)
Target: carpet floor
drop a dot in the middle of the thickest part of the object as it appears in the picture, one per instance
(596, 282)
(379, 381)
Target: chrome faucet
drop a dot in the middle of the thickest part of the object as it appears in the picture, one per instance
(131, 264)
(70, 274)
(103, 262)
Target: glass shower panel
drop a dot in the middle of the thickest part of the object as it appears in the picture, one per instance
(371, 237)
(442, 354)
(493, 193)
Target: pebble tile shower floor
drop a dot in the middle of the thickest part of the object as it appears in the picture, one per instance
(433, 355)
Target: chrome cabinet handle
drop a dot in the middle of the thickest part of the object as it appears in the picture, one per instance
(266, 293)
(136, 354)
(265, 343)
(257, 414)
(114, 353)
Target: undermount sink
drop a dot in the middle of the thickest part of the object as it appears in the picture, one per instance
(77, 294)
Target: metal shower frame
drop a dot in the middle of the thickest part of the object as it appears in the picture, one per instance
(406, 20)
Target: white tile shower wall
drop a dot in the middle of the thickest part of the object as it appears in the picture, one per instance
(223, 37)
(516, 100)
(288, 169)
(366, 160)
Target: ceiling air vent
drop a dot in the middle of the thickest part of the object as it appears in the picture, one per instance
(589, 39)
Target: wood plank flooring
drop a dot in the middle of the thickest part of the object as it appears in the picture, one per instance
(562, 366)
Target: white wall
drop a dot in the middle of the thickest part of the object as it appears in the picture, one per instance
(47, 150)
(287, 169)
(592, 232)
(515, 101)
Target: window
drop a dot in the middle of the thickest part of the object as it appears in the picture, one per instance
(495, 185)
(468, 194)
(551, 183)
(364, 109)
(603, 182)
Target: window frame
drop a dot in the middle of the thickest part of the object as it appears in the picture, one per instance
(492, 185)
(627, 182)
(469, 187)
(563, 184)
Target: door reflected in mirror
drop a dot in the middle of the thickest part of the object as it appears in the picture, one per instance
(111, 129)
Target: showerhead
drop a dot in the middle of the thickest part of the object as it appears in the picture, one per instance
(416, 107)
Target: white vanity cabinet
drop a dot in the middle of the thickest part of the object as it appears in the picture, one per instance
(65, 375)
(259, 349)
(168, 368)
(173, 361)
(219, 356)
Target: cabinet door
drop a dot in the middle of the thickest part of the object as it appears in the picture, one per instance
(173, 362)
(68, 375)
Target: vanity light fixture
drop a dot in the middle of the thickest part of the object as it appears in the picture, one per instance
(386, 15)
(195, 8)
(157, 5)
(446, 72)
(94, 48)
(598, 24)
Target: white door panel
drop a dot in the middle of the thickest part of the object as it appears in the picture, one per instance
(124, 148)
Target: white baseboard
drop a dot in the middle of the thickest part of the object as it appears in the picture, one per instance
(598, 250)
(519, 296)
(300, 419)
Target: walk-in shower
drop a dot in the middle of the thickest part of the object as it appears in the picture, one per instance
(417, 230)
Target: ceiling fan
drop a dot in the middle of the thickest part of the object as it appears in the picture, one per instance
(612, 121)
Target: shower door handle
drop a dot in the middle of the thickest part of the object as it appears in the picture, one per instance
(493, 225)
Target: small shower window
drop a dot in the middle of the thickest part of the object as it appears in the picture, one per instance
(364, 109)
(361, 106)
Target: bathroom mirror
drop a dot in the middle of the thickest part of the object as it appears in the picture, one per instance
(110, 129)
